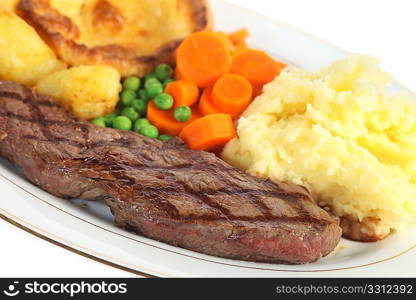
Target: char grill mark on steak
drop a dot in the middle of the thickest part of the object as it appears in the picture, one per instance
(39, 119)
(252, 195)
(163, 190)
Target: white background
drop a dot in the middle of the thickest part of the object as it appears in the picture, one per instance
(385, 28)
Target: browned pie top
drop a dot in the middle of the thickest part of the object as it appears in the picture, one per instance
(131, 35)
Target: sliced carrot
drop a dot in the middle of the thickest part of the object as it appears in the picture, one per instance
(183, 92)
(232, 94)
(178, 75)
(227, 40)
(196, 112)
(206, 105)
(256, 66)
(257, 89)
(165, 121)
(209, 133)
(203, 57)
(240, 46)
(239, 36)
(281, 65)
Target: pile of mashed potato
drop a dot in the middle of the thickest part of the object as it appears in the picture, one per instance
(341, 134)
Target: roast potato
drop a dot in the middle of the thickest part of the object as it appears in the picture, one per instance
(131, 35)
(24, 56)
(89, 91)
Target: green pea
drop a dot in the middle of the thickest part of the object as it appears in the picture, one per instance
(166, 82)
(122, 123)
(164, 137)
(151, 81)
(154, 89)
(182, 113)
(109, 119)
(143, 95)
(131, 83)
(163, 72)
(130, 113)
(140, 123)
(140, 106)
(150, 75)
(127, 97)
(150, 131)
(99, 122)
(163, 101)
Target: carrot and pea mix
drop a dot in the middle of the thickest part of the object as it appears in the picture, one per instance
(137, 93)
(216, 78)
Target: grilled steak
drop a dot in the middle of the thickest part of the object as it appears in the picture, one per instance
(162, 190)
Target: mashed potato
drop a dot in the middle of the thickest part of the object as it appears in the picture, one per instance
(341, 134)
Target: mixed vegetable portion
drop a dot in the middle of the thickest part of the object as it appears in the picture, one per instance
(216, 78)
(131, 111)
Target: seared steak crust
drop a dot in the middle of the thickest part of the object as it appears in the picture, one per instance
(164, 191)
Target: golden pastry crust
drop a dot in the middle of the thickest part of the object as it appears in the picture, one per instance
(108, 32)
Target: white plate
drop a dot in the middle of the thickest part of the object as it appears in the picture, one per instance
(90, 230)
